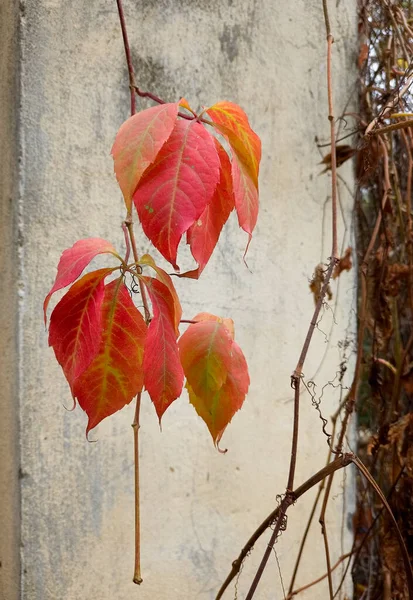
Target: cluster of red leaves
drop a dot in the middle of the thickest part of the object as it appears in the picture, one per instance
(180, 179)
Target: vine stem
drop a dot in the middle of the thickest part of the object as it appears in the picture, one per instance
(131, 72)
(338, 463)
(137, 577)
(306, 587)
(280, 522)
(128, 223)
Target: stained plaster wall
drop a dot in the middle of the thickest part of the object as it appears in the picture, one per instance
(68, 504)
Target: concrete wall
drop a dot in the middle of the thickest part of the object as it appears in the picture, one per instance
(9, 269)
(198, 507)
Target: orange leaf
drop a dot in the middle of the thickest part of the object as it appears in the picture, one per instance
(115, 375)
(345, 263)
(233, 123)
(138, 142)
(163, 374)
(177, 187)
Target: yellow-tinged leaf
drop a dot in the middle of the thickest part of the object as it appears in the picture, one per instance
(115, 375)
(232, 122)
(215, 369)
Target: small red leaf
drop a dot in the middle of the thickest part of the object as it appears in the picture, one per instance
(246, 198)
(233, 123)
(76, 324)
(138, 142)
(74, 260)
(161, 275)
(163, 374)
(215, 369)
(177, 187)
(203, 235)
(115, 375)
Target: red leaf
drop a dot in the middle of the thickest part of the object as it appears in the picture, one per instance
(176, 188)
(74, 260)
(161, 275)
(115, 375)
(76, 324)
(233, 123)
(246, 198)
(216, 371)
(137, 143)
(163, 371)
(203, 235)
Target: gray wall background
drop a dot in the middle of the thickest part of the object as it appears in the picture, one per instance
(66, 517)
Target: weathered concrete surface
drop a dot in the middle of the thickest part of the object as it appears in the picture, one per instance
(198, 507)
(9, 243)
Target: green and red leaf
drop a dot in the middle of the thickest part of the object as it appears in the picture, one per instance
(163, 374)
(115, 375)
(177, 187)
(76, 324)
(232, 122)
(203, 235)
(74, 260)
(215, 369)
(205, 351)
(217, 409)
(137, 144)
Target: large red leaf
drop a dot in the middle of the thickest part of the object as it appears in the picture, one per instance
(216, 371)
(137, 143)
(232, 122)
(115, 375)
(163, 374)
(74, 260)
(76, 324)
(246, 198)
(203, 235)
(177, 187)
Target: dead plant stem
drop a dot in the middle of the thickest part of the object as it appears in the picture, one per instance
(311, 517)
(338, 463)
(296, 377)
(306, 587)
